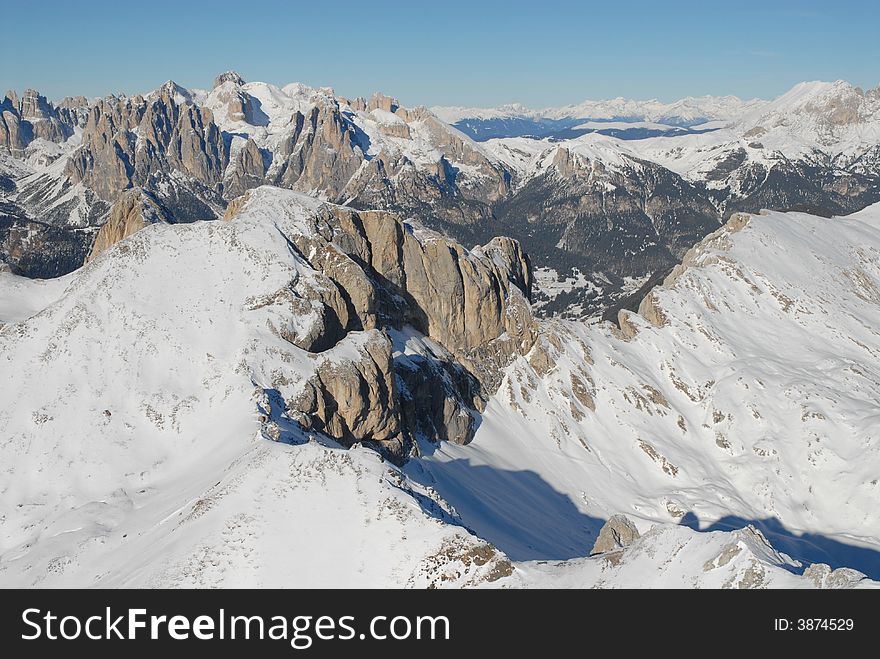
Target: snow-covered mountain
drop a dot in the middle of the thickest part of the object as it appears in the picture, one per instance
(619, 117)
(195, 407)
(605, 196)
(741, 392)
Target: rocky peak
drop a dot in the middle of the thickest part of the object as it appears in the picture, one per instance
(239, 105)
(380, 101)
(128, 140)
(73, 102)
(228, 76)
(319, 152)
(376, 276)
(358, 104)
(170, 90)
(12, 138)
(32, 117)
(35, 106)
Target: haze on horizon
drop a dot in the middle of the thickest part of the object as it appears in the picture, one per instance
(450, 53)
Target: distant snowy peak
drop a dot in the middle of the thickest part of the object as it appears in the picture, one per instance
(685, 110)
(632, 119)
(819, 97)
(831, 115)
(453, 114)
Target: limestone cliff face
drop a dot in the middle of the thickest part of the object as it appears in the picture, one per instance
(374, 276)
(353, 400)
(246, 170)
(466, 300)
(11, 136)
(324, 152)
(127, 140)
(43, 117)
(31, 117)
(380, 101)
(133, 210)
(319, 152)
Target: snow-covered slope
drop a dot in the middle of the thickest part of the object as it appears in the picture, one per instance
(135, 446)
(812, 121)
(745, 392)
(836, 117)
(133, 414)
(677, 557)
(21, 298)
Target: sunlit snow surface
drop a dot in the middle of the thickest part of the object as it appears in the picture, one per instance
(131, 450)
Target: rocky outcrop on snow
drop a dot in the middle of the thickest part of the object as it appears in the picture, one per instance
(475, 303)
(617, 533)
(374, 272)
(353, 400)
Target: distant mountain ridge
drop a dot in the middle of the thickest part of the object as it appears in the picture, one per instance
(649, 118)
(611, 194)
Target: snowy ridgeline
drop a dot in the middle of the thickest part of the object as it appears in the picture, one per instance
(604, 193)
(705, 139)
(134, 449)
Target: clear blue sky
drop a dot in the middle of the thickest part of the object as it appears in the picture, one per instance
(477, 52)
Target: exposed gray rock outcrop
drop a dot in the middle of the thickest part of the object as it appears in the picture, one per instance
(354, 400)
(246, 170)
(319, 152)
(127, 140)
(380, 101)
(11, 136)
(374, 274)
(618, 532)
(32, 117)
(823, 576)
(475, 303)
